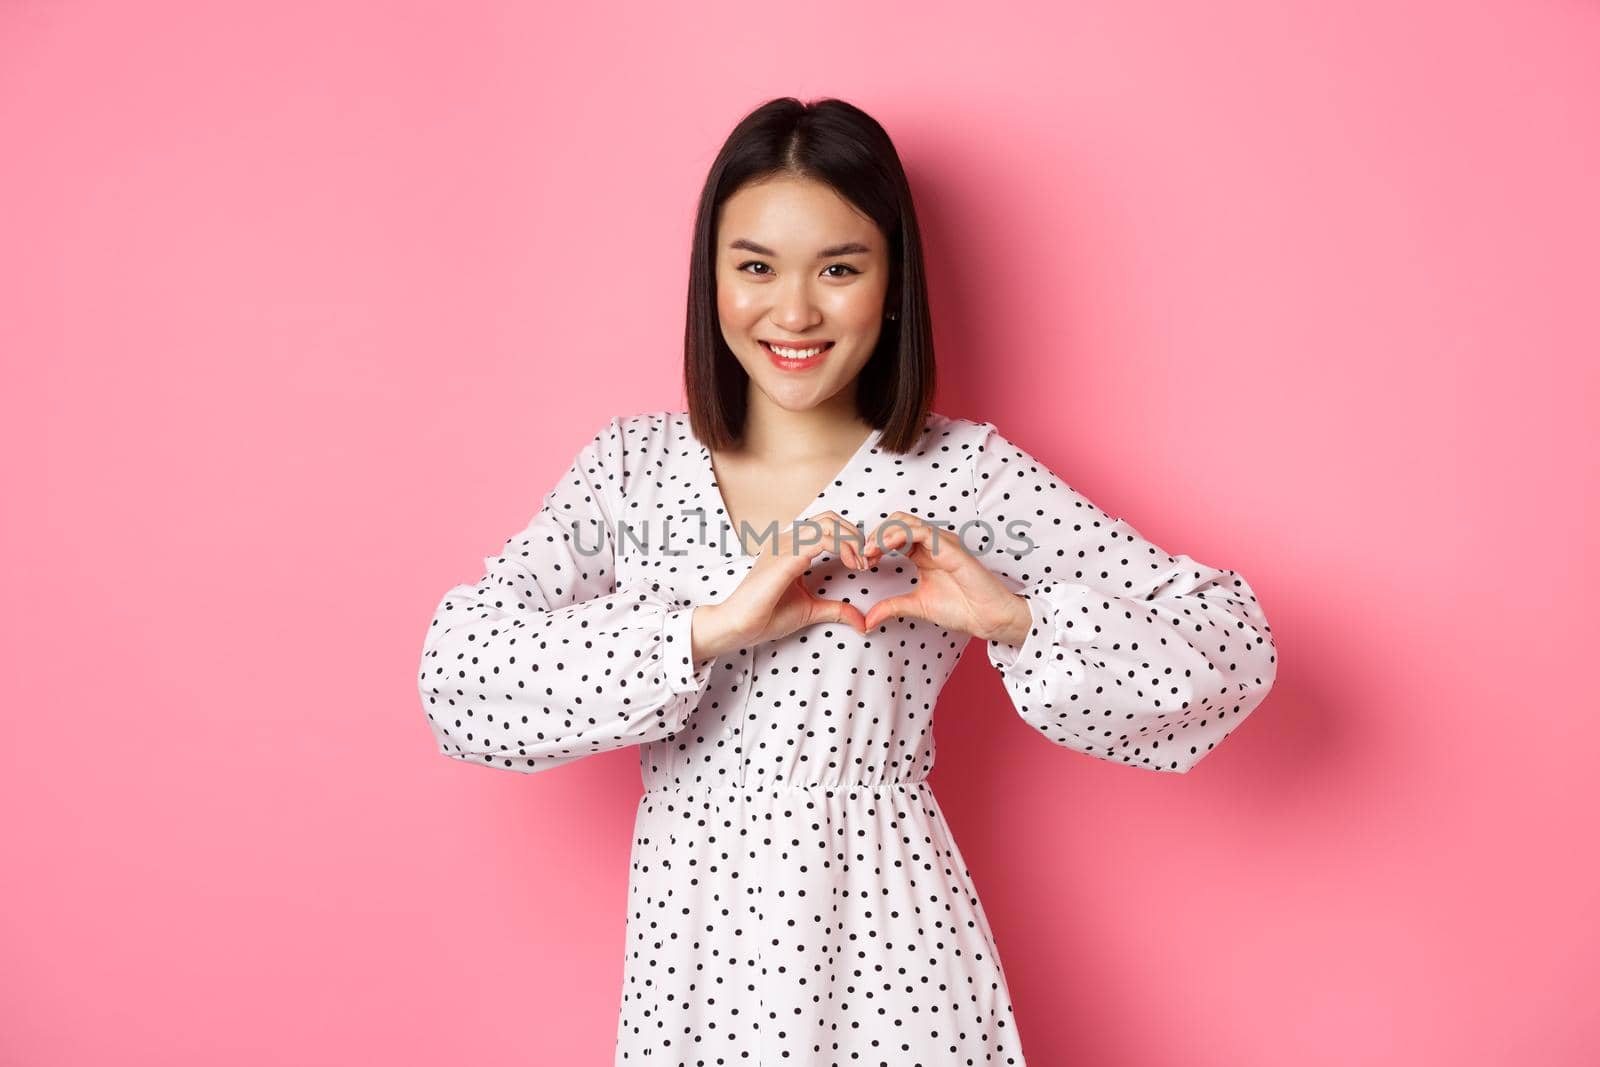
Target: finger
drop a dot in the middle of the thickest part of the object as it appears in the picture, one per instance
(848, 539)
(848, 614)
(830, 531)
(929, 540)
(892, 531)
(840, 536)
(797, 545)
(905, 535)
(904, 604)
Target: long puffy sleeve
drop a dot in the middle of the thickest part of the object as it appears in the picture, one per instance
(1135, 655)
(544, 660)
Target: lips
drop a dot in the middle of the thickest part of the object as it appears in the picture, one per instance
(798, 364)
(799, 346)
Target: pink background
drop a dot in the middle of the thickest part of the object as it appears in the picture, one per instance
(306, 305)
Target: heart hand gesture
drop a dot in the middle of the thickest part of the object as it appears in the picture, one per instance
(954, 590)
(772, 601)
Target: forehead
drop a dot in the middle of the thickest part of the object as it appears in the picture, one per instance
(791, 214)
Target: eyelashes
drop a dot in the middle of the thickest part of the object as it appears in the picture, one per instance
(758, 263)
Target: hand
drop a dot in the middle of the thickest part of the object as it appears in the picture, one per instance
(954, 590)
(772, 600)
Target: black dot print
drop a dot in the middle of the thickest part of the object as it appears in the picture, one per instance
(795, 895)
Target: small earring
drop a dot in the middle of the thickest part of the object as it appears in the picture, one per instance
(889, 314)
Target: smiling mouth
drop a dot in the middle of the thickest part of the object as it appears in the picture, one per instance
(810, 351)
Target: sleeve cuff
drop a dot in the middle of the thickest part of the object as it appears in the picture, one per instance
(1041, 635)
(683, 675)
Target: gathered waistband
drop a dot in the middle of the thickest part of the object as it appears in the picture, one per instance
(825, 789)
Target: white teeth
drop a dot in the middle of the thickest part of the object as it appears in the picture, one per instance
(795, 353)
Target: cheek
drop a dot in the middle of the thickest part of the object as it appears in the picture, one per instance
(856, 307)
(734, 303)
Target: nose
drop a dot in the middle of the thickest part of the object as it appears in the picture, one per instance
(794, 309)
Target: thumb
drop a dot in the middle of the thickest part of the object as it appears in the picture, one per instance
(903, 604)
(824, 610)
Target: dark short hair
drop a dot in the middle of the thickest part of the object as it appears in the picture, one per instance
(843, 147)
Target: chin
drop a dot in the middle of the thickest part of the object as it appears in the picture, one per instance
(791, 397)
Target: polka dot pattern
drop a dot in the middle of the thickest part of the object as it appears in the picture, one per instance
(545, 659)
(1135, 655)
(795, 895)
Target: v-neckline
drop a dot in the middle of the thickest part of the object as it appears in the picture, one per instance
(708, 467)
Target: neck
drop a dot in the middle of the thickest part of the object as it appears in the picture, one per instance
(780, 435)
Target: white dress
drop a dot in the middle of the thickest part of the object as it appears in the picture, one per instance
(795, 896)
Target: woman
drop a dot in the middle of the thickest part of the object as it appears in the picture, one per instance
(795, 894)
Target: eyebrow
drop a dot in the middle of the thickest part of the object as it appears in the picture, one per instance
(847, 249)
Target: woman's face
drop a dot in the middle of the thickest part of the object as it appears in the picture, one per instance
(798, 266)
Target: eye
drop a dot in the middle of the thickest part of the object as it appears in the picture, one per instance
(847, 268)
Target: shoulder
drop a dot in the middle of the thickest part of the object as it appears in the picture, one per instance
(956, 436)
(945, 443)
(955, 426)
(617, 451)
(988, 452)
(987, 439)
(638, 432)
(639, 425)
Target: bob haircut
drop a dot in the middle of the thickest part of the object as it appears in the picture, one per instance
(843, 147)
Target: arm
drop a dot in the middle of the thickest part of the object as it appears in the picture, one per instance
(1133, 655)
(544, 660)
